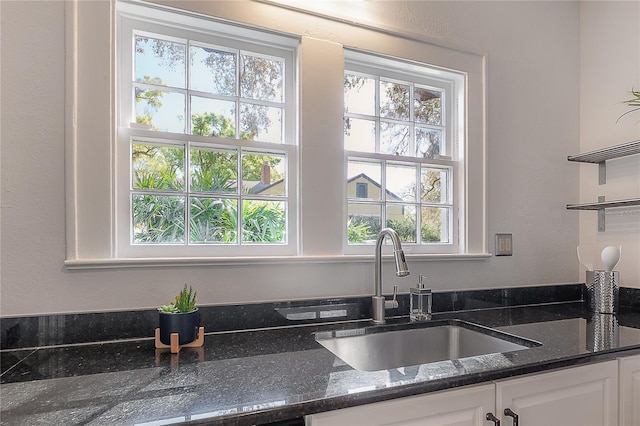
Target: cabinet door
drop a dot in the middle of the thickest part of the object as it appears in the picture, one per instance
(461, 407)
(579, 396)
(630, 391)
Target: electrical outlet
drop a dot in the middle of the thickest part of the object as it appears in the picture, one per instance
(504, 245)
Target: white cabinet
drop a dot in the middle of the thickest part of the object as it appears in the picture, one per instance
(460, 407)
(630, 391)
(581, 396)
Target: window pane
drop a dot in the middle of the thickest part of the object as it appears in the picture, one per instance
(157, 167)
(402, 219)
(401, 182)
(394, 139)
(213, 71)
(428, 142)
(159, 62)
(213, 170)
(223, 181)
(406, 124)
(263, 221)
(364, 173)
(260, 123)
(264, 174)
(435, 225)
(359, 94)
(163, 111)
(213, 220)
(362, 190)
(433, 184)
(363, 224)
(158, 218)
(261, 78)
(427, 106)
(394, 100)
(213, 117)
(359, 135)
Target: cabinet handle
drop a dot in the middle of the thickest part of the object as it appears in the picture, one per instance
(508, 412)
(493, 419)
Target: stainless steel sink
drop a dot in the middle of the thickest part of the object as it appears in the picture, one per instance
(393, 346)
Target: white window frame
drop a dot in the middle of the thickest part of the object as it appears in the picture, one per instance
(91, 128)
(452, 85)
(134, 20)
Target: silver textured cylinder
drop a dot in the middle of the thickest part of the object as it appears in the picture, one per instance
(602, 332)
(602, 291)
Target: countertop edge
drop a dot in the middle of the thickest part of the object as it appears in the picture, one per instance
(302, 409)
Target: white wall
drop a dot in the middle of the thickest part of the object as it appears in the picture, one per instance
(610, 68)
(532, 49)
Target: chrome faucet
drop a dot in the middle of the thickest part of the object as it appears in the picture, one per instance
(379, 304)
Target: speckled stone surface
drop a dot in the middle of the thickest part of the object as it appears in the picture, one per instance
(282, 373)
(50, 330)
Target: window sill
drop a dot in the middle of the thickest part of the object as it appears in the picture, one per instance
(83, 264)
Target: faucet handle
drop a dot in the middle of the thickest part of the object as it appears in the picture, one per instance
(393, 303)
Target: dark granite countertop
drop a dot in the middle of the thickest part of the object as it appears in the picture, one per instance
(257, 376)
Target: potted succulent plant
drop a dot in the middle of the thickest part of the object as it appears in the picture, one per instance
(180, 316)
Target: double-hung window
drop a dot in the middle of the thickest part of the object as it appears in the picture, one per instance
(210, 131)
(207, 162)
(206, 155)
(401, 141)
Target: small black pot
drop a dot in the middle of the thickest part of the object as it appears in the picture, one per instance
(184, 323)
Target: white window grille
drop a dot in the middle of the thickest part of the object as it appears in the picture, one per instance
(206, 151)
(401, 138)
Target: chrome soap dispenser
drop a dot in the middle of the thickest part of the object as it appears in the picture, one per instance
(420, 301)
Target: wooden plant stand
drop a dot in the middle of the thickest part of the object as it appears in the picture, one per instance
(175, 338)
